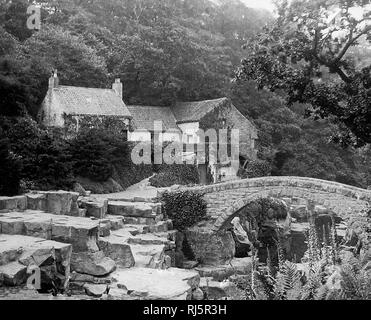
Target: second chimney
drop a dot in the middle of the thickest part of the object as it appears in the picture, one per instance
(117, 86)
(54, 80)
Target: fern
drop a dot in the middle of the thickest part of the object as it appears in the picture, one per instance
(356, 281)
(333, 243)
(323, 293)
(314, 282)
(280, 252)
(288, 282)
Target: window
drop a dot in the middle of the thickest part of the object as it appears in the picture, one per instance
(125, 134)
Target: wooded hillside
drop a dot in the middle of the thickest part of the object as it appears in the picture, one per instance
(163, 51)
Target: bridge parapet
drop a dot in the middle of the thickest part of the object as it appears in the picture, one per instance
(225, 199)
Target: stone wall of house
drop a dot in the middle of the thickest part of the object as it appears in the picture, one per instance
(50, 113)
(228, 117)
(76, 123)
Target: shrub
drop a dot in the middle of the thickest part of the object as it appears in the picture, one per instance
(10, 171)
(43, 158)
(94, 152)
(128, 173)
(256, 169)
(169, 175)
(185, 208)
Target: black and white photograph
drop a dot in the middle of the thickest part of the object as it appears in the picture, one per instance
(181, 156)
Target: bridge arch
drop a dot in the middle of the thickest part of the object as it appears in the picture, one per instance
(225, 199)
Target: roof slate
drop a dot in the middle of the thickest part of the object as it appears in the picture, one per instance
(92, 101)
(144, 117)
(195, 111)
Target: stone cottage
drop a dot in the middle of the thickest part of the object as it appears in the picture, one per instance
(182, 122)
(75, 108)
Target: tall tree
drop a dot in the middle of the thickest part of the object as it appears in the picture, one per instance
(305, 54)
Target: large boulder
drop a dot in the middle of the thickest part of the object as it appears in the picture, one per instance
(96, 208)
(19, 255)
(56, 202)
(92, 263)
(116, 249)
(210, 248)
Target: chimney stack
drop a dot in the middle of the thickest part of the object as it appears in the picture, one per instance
(117, 86)
(54, 80)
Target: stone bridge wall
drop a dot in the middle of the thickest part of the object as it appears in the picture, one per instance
(225, 199)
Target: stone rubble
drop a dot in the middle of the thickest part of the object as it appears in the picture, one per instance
(105, 248)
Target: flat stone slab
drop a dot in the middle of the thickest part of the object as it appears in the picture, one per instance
(56, 202)
(131, 209)
(147, 195)
(82, 233)
(151, 284)
(154, 219)
(129, 235)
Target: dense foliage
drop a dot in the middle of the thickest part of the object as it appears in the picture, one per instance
(255, 169)
(184, 208)
(10, 171)
(93, 154)
(307, 54)
(169, 175)
(326, 273)
(163, 50)
(43, 155)
(44, 160)
(167, 50)
(295, 146)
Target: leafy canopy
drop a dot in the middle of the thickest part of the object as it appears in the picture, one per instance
(307, 54)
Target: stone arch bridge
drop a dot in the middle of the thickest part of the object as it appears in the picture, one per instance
(226, 199)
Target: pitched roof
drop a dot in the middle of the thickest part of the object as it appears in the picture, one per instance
(144, 117)
(79, 100)
(195, 111)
